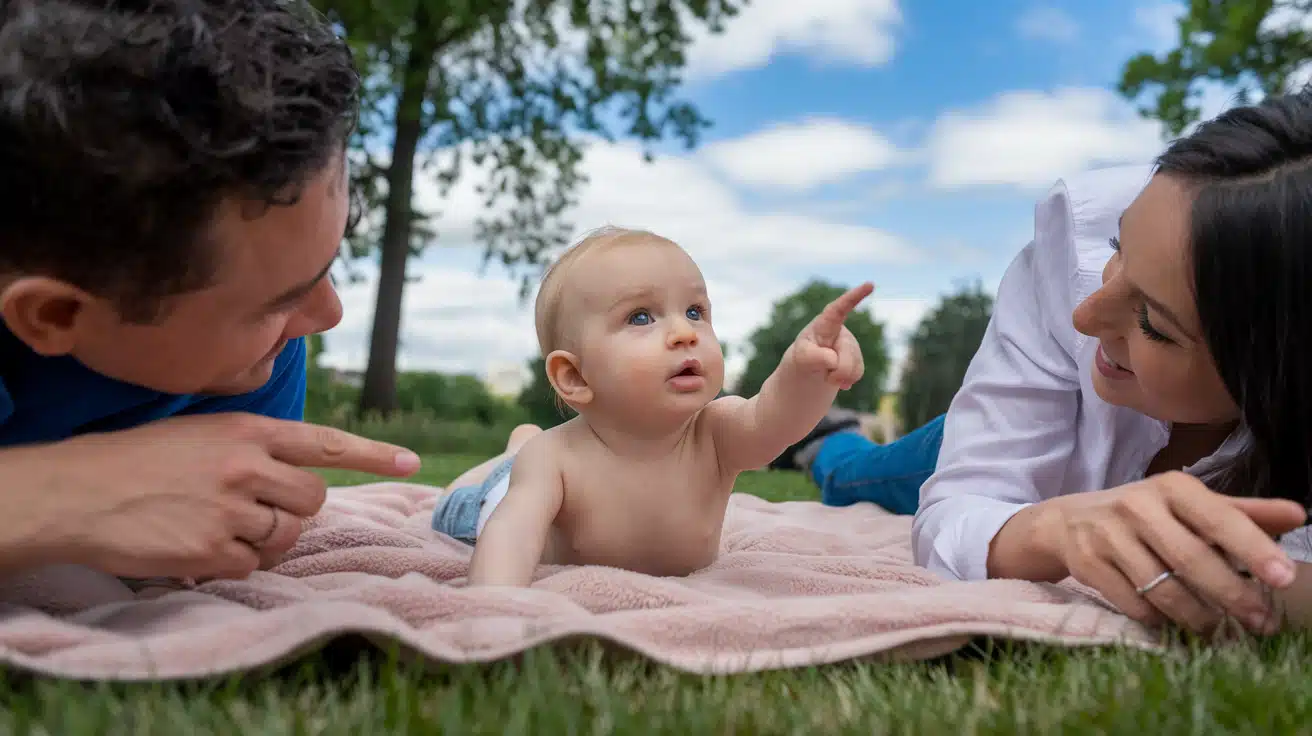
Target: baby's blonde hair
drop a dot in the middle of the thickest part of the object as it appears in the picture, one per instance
(547, 306)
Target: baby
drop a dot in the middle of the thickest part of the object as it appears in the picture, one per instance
(641, 477)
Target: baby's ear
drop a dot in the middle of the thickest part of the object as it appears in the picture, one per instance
(565, 376)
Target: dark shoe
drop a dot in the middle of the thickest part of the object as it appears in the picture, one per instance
(797, 456)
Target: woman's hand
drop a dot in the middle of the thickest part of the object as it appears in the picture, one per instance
(199, 496)
(1123, 541)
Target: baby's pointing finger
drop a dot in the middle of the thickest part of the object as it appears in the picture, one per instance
(836, 312)
(850, 366)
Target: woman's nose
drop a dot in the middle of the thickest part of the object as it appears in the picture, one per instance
(1104, 310)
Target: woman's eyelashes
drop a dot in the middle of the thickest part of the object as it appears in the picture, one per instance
(1145, 324)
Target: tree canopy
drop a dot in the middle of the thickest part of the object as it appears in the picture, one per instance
(539, 400)
(939, 352)
(1251, 47)
(514, 90)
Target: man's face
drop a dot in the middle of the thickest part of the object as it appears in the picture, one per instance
(271, 286)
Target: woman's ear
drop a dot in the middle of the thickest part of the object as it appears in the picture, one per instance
(565, 376)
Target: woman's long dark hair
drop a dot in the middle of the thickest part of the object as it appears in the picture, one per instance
(1250, 174)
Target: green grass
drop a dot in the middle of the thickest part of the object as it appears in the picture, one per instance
(441, 469)
(585, 689)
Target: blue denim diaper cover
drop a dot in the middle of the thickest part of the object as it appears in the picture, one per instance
(457, 515)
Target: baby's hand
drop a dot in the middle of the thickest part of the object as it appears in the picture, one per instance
(826, 346)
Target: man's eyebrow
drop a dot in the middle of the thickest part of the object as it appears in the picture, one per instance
(300, 290)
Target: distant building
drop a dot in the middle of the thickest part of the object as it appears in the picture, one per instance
(507, 380)
(887, 423)
(348, 377)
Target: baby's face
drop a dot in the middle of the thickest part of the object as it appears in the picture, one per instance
(646, 341)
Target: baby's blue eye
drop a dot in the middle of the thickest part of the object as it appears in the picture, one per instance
(694, 313)
(640, 318)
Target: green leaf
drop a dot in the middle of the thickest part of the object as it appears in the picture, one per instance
(1230, 42)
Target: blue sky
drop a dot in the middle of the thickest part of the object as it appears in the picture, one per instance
(901, 141)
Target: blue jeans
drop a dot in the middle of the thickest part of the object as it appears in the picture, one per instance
(850, 468)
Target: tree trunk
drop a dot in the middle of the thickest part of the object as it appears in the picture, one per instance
(379, 391)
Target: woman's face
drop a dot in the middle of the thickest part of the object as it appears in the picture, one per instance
(1151, 356)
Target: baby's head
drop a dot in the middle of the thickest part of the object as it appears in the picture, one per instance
(624, 323)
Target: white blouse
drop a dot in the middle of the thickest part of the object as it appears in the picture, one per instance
(1026, 424)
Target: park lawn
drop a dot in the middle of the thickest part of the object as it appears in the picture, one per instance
(992, 688)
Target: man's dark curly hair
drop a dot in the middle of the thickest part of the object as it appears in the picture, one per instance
(124, 123)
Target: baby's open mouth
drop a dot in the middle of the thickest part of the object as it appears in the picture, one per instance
(689, 368)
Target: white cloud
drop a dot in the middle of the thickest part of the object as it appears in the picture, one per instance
(837, 31)
(799, 156)
(454, 321)
(1029, 139)
(900, 316)
(1158, 21)
(681, 198)
(459, 321)
(1047, 23)
(1286, 17)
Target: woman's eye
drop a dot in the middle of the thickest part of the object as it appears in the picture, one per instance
(640, 318)
(1146, 326)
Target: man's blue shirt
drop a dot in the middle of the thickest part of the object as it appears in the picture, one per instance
(48, 399)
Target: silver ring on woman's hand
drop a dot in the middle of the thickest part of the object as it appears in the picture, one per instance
(1144, 589)
(273, 527)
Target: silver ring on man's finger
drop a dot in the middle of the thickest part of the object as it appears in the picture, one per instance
(1144, 589)
(273, 527)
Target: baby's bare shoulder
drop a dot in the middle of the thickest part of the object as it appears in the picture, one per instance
(566, 448)
(725, 408)
(541, 452)
(566, 441)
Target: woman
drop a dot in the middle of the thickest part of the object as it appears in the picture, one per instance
(1157, 323)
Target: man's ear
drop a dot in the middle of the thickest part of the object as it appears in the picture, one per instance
(565, 376)
(44, 313)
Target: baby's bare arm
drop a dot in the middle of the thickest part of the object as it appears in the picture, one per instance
(512, 542)
(749, 433)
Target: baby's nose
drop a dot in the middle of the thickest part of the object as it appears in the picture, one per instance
(682, 334)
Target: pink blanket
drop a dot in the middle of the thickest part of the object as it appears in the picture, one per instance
(797, 584)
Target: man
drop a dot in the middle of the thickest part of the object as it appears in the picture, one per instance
(173, 190)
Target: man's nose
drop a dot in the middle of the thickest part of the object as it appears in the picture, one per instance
(320, 312)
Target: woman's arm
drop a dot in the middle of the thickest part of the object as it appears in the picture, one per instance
(1011, 427)
(1294, 604)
